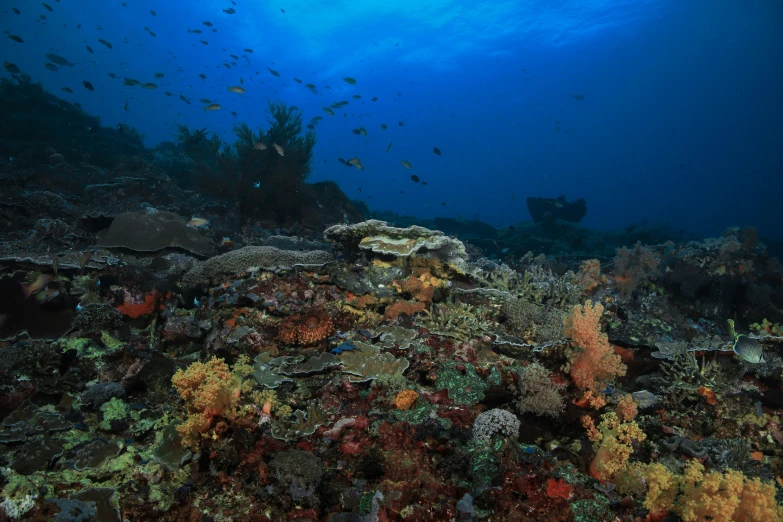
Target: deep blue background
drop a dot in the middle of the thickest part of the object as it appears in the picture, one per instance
(682, 120)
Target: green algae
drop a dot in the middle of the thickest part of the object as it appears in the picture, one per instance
(588, 510)
(110, 342)
(115, 409)
(84, 347)
(464, 388)
(419, 414)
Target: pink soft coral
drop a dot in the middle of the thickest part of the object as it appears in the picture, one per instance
(593, 361)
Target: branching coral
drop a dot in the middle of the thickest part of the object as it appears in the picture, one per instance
(544, 286)
(530, 320)
(686, 374)
(593, 361)
(462, 322)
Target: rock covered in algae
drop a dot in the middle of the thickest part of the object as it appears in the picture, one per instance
(381, 238)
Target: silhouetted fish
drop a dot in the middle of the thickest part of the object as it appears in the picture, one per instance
(59, 60)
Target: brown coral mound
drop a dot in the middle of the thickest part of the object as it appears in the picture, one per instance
(306, 328)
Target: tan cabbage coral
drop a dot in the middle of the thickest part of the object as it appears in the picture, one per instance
(309, 327)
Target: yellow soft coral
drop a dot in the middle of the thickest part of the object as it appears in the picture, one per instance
(614, 446)
(697, 496)
(662, 488)
(713, 496)
(209, 389)
(758, 503)
(725, 497)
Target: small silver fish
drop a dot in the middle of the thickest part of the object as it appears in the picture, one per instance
(749, 349)
(260, 145)
(279, 149)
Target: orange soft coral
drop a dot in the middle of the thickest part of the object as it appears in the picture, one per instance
(626, 408)
(593, 361)
(393, 311)
(589, 276)
(592, 432)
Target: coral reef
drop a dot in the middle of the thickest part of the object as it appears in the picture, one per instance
(493, 423)
(412, 375)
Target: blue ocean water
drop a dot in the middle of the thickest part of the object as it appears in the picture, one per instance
(664, 111)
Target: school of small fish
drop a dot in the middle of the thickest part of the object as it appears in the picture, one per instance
(55, 62)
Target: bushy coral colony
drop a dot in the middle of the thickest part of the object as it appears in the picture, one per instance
(300, 370)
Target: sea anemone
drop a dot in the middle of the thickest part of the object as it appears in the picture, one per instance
(309, 327)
